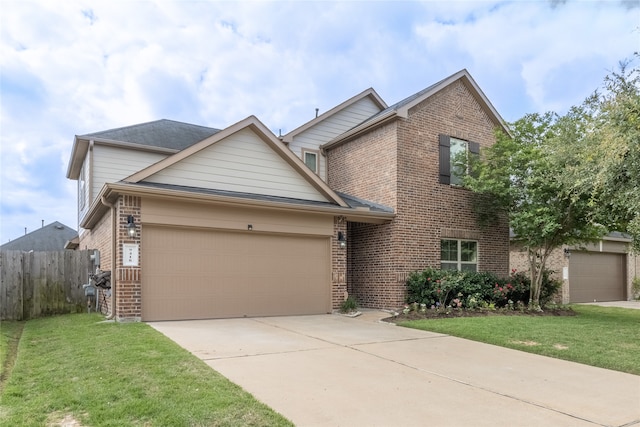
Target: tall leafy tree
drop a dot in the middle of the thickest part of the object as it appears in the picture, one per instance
(608, 159)
(520, 176)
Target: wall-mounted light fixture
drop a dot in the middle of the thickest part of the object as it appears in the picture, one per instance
(342, 240)
(131, 226)
(567, 252)
(250, 227)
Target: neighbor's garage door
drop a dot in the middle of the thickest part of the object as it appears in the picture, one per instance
(596, 276)
(199, 274)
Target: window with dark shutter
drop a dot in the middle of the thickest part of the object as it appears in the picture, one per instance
(449, 149)
(445, 160)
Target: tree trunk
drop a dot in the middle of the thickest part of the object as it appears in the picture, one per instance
(535, 269)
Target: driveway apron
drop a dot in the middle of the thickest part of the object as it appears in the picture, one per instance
(331, 370)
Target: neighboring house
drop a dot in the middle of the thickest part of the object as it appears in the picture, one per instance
(237, 222)
(602, 271)
(51, 237)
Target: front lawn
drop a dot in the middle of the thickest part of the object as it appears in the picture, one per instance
(118, 374)
(9, 335)
(599, 336)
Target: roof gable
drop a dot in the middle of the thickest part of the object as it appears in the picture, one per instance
(401, 109)
(245, 157)
(369, 93)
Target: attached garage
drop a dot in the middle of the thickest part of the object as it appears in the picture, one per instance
(201, 274)
(597, 276)
(233, 261)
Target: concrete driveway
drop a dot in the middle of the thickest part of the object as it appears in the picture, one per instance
(331, 370)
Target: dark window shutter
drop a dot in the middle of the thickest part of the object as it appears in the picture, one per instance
(445, 159)
(474, 150)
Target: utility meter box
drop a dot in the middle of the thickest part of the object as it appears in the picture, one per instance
(89, 290)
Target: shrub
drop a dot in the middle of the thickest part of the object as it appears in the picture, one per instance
(457, 289)
(635, 288)
(349, 305)
(550, 288)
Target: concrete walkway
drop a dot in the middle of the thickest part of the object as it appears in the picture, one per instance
(331, 370)
(619, 304)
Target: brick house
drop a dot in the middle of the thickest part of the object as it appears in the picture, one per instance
(196, 222)
(601, 271)
(401, 158)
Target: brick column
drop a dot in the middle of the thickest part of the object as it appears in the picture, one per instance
(338, 263)
(128, 278)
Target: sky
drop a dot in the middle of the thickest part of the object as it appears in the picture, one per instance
(75, 67)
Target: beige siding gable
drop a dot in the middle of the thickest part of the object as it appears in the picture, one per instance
(241, 162)
(333, 126)
(106, 164)
(112, 164)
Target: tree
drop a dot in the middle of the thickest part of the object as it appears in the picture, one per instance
(520, 177)
(608, 160)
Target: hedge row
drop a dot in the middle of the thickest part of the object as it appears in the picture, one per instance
(457, 289)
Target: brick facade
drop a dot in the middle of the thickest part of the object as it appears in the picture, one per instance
(397, 165)
(99, 237)
(338, 264)
(125, 281)
(129, 283)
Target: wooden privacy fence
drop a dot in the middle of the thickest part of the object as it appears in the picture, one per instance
(36, 284)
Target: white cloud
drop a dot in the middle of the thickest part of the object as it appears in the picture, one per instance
(76, 67)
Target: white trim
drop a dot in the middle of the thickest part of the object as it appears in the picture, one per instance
(316, 153)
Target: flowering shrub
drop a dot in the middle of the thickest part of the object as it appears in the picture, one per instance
(457, 289)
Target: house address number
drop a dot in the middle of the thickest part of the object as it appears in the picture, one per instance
(130, 254)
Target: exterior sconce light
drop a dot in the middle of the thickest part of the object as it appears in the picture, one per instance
(342, 240)
(131, 226)
(567, 252)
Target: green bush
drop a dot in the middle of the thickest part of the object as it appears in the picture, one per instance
(635, 288)
(349, 305)
(435, 288)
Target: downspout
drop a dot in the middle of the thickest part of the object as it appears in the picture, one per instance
(113, 256)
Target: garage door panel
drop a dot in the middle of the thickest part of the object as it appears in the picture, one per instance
(195, 274)
(596, 276)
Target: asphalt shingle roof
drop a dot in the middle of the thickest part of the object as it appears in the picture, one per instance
(51, 237)
(160, 133)
(398, 105)
(352, 201)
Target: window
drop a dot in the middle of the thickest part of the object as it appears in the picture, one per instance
(310, 159)
(81, 189)
(450, 150)
(457, 149)
(459, 255)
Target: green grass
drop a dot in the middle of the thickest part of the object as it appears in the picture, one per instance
(8, 332)
(9, 335)
(598, 336)
(118, 374)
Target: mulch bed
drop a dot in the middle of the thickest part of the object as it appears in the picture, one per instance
(451, 313)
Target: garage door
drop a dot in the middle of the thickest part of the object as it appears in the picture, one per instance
(596, 276)
(201, 274)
